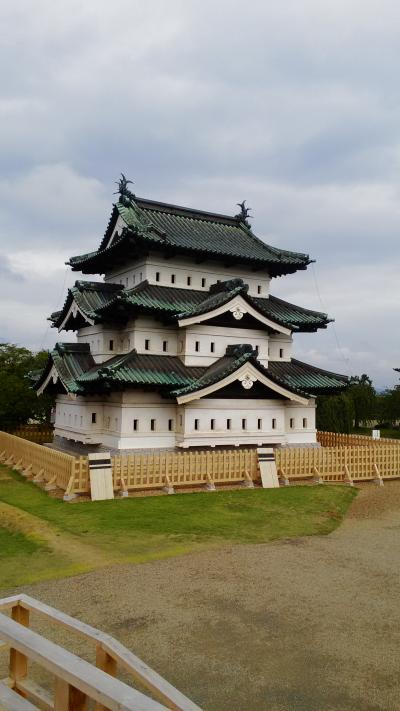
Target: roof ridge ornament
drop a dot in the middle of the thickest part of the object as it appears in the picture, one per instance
(125, 195)
(244, 215)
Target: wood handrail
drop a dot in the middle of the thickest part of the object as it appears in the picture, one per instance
(112, 693)
(156, 684)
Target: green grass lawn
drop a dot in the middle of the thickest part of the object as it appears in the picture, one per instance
(140, 529)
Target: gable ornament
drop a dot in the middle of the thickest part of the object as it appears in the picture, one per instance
(247, 381)
(237, 312)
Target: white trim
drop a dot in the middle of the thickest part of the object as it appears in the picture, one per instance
(239, 305)
(72, 311)
(52, 375)
(247, 370)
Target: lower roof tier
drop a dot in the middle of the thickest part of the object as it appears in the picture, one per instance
(99, 302)
(71, 368)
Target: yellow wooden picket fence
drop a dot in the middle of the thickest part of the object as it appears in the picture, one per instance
(336, 439)
(143, 472)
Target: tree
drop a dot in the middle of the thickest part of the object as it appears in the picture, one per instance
(18, 402)
(363, 395)
(335, 413)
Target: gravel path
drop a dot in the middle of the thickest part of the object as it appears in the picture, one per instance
(309, 624)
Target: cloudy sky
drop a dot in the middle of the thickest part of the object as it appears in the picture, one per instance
(291, 104)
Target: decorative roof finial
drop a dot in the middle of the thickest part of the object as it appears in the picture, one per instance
(126, 196)
(243, 215)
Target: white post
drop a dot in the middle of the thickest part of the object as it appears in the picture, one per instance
(266, 460)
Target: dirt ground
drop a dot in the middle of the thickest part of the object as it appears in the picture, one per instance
(310, 624)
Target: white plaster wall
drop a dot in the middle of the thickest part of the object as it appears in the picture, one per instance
(99, 338)
(278, 343)
(181, 269)
(221, 337)
(156, 333)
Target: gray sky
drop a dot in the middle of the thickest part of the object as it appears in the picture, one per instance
(292, 105)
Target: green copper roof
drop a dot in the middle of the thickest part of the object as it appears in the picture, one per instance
(110, 302)
(178, 230)
(167, 374)
(70, 360)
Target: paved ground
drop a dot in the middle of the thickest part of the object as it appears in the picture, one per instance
(309, 624)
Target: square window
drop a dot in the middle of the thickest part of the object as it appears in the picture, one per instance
(228, 424)
(259, 423)
(152, 425)
(135, 425)
(172, 278)
(170, 425)
(165, 346)
(111, 345)
(147, 344)
(157, 276)
(203, 282)
(212, 424)
(197, 346)
(188, 281)
(196, 424)
(244, 424)
(212, 347)
(273, 423)
(94, 418)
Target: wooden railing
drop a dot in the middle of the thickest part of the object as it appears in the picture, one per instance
(76, 680)
(337, 439)
(338, 464)
(41, 464)
(34, 433)
(176, 469)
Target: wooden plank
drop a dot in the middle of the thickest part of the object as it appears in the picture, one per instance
(18, 662)
(12, 701)
(37, 693)
(112, 693)
(117, 651)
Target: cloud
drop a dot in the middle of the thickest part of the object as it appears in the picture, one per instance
(294, 106)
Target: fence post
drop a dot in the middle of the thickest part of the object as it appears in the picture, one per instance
(18, 661)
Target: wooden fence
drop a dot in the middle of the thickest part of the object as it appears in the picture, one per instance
(43, 465)
(34, 433)
(339, 464)
(336, 439)
(346, 462)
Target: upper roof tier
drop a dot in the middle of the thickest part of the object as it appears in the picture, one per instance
(99, 302)
(146, 225)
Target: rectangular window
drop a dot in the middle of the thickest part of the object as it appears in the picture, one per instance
(133, 278)
(281, 353)
(244, 424)
(165, 346)
(197, 346)
(203, 282)
(259, 289)
(111, 345)
(152, 425)
(147, 344)
(94, 418)
(170, 425)
(212, 424)
(188, 281)
(81, 420)
(172, 278)
(273, 423)
(259, 423)
(180, 420)
(305, 422)
(212, 347)
(135, 425)
(257, 349)
(291, 423)
(127, 280)
(108, 422)
(196, 424)
(228, 424)
(140, 276)
(157, 276)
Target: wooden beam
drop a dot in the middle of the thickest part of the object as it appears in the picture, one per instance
(18, 668)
